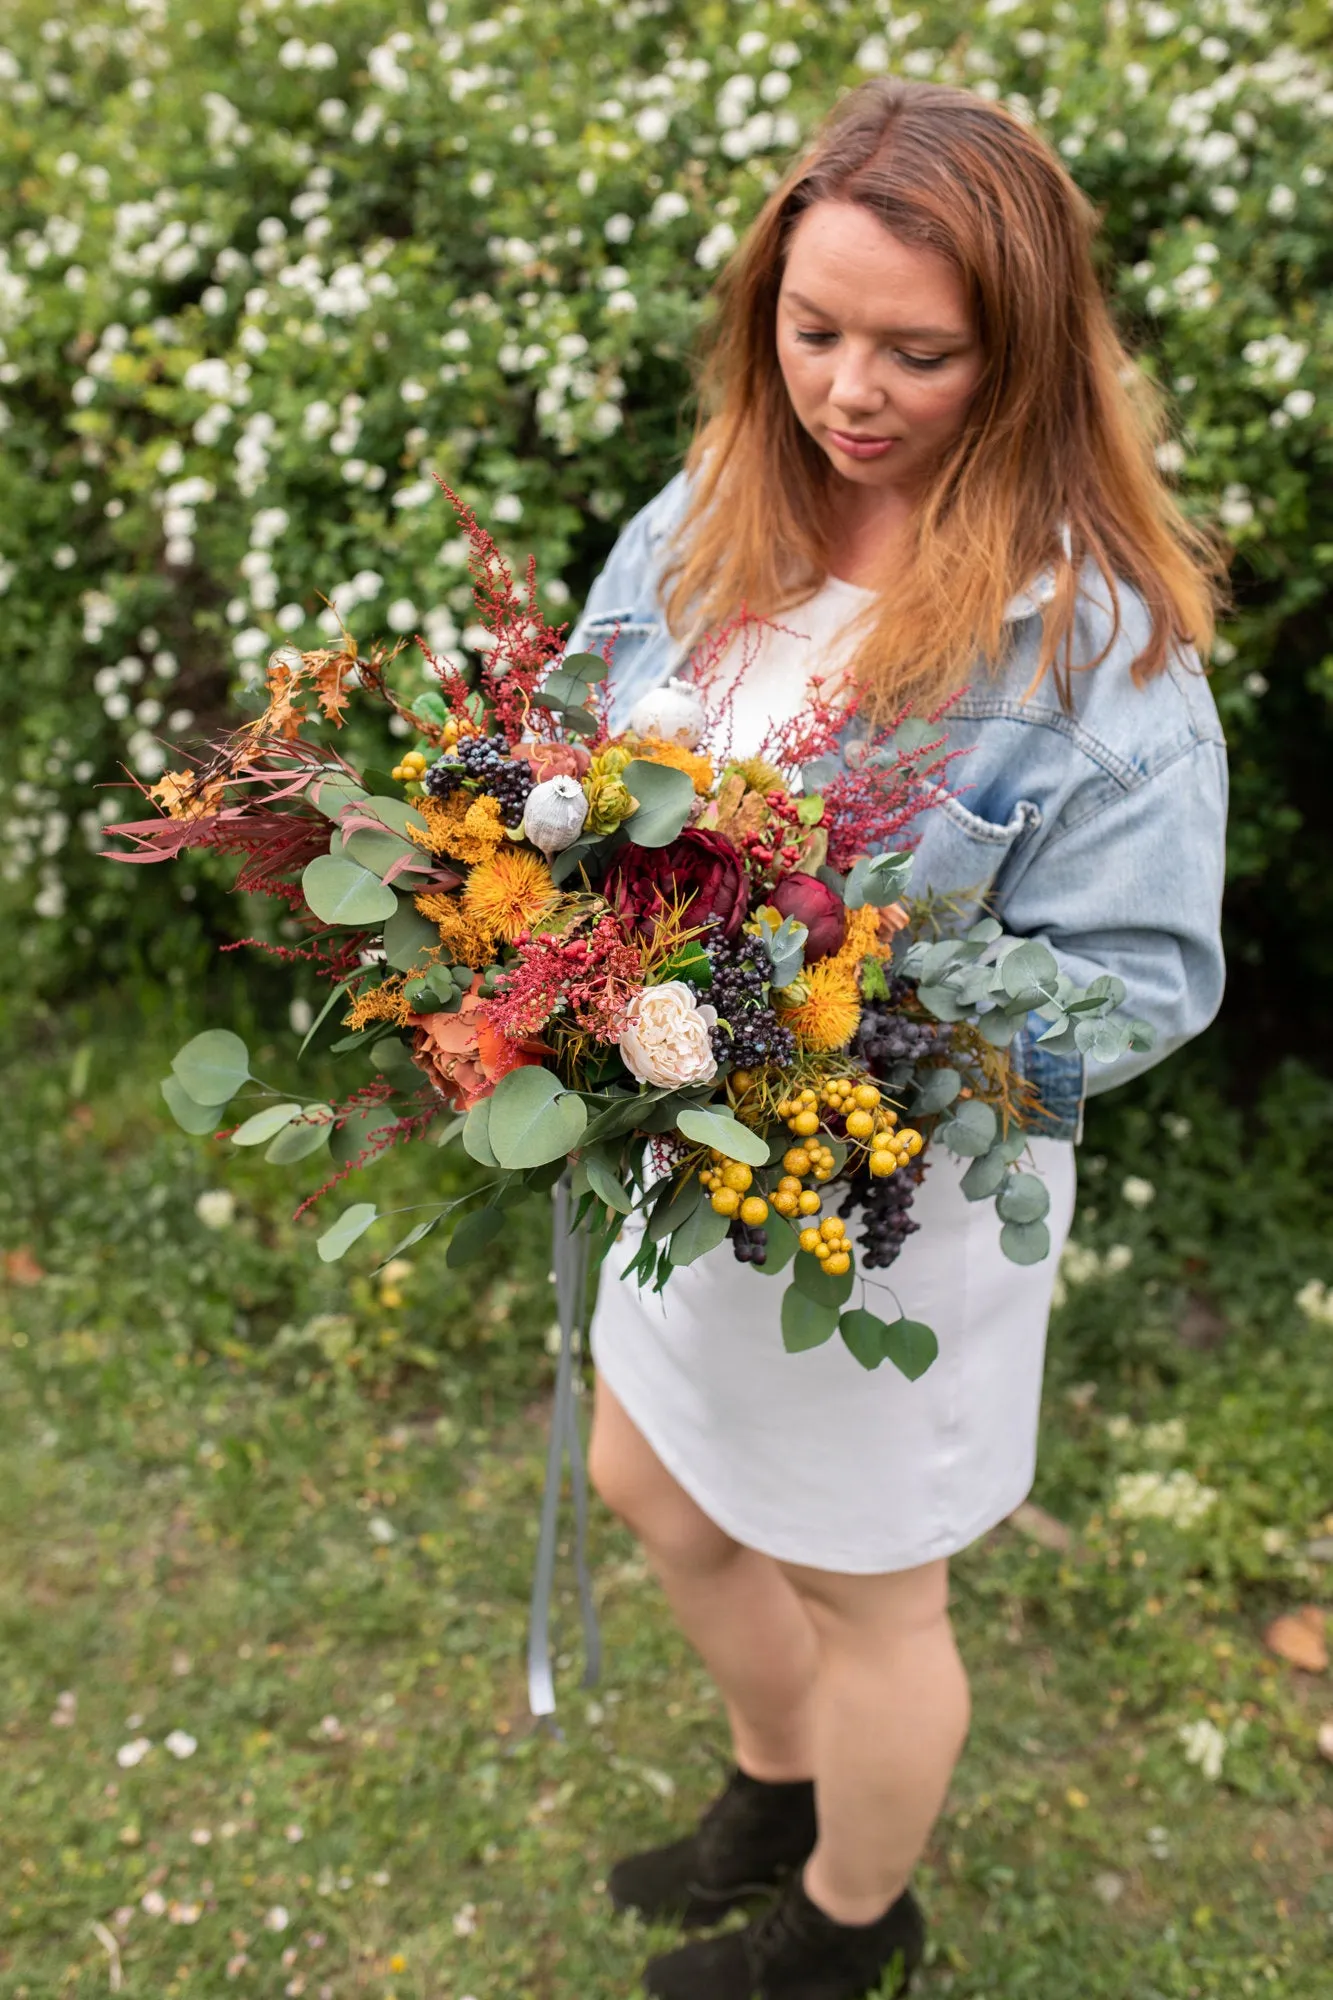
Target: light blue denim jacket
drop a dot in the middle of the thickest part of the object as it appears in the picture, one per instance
(1099, 830)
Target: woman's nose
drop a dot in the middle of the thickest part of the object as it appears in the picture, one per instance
(855, 387)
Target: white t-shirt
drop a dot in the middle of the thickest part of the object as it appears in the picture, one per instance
(815, 644)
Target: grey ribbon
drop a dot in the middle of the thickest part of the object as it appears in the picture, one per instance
(570, 1248)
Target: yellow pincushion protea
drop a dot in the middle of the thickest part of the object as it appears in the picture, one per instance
(508, 893)
(830, 1012)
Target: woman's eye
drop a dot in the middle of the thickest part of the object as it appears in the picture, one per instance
(814, 339)
(924, 360)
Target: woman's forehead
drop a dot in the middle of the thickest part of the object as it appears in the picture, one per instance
(844, 264)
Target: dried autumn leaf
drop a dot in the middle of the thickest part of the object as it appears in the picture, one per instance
(1298, 1638)
(22, 1268)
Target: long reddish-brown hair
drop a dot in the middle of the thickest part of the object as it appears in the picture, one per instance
(1061, 431)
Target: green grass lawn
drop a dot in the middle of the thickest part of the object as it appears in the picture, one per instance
(280, 1518)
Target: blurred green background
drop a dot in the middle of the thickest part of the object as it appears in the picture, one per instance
(263, 269)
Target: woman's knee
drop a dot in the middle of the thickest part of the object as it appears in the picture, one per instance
(633, 1482)
(892, 1607)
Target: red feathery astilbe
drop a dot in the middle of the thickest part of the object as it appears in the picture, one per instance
(590, 978)
(526, 646)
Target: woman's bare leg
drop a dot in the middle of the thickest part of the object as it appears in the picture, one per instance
(744, 1618)
(890, 1711)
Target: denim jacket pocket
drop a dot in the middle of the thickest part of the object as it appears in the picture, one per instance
(962, 856)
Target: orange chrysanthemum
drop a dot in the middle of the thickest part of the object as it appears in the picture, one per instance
(463, 828)
(860, 940)
(509, 892)
(829, 1015)
(697, 768)
(464, 939)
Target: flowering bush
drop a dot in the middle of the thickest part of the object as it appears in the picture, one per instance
(265, 267)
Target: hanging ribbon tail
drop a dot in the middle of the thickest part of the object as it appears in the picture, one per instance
(570, 1247)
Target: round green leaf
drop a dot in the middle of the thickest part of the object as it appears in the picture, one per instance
(476, 1134)
(1025, 1242)
(1029, 964)
(399, 815)
(353, 1222)
(376, 848)
(698, 1234)
(407, 934)
(971, 1129)
(343, 892)
(534, 1118)
(984, 1176)
(305, 1135)
(938, 1088)
(665, 797)
(264, 1124)
(1023, 1198)
(212, 1067)
(332, 791)
(358, 1130)
(605, 1183)
(723, 1132)
(810, 1277)
(910, 1346)
(472, 1236)
(805, 1323)
(863, 1335)
(191, 1117)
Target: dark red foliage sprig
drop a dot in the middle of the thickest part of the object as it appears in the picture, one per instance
(526, 646)
(588, 979)
(394, 1133)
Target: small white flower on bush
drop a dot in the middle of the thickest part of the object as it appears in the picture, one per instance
(666, 1038)
(1204, 1744)
(668, 207)
(717, 244)
(618, 228)
(1177, 1497)
(130, 1754)
(216, 1208)
(181, 1743)
(1316, 1302)
(276, 1919)
(1138, 1192)
(381, 1531)
(153, 1903)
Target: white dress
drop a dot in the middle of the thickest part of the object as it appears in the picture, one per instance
(808, 1457)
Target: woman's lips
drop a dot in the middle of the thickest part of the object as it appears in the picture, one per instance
(861, 447)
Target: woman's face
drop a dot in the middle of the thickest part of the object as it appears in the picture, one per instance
(876, 346)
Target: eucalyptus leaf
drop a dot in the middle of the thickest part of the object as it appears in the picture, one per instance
(985, 1175)
(936, 1089)
(407, 934)
(665, 797)
(863, 1335)
(534, 1118)
(971, 1129)
(1025, 1242)
(353, 1222)
(910, 1346)
(674, 1206)
(724, 1133)
(878, 879)
(212, 1067)
(303, 1136)
(343, 892)
(1023, 1198)
(321, 1017)
(330, 791)
(698, 1234)
(1030, 964)
(604, 1181)
(810, 1277)
(358, 1129)
(941, 1003)
(806, 1322)
(199, 1119)
(263, 1125)
(475, 1233)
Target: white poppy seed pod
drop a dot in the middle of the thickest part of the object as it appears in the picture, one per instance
(674, 713)
(554, 815)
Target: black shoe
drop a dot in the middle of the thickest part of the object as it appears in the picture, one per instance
(794, 1952)
(748, 1841)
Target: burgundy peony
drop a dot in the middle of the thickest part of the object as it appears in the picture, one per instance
(699, 867)
(818, 907)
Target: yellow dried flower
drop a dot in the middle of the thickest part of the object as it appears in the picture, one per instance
(609, 763)
(381, 1003)
(759, 776)
(830, 1013)
(508, 893)
(464, 829)
(697, 768)
(464, 940)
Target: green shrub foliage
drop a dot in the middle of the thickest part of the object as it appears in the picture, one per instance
(266, 266)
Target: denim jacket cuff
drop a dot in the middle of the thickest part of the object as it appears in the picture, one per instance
(1059, 1082)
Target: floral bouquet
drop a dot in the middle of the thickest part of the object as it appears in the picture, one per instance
(686, 980)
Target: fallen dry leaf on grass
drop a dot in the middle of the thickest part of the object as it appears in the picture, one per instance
(22, 1268)
(1298, 1638)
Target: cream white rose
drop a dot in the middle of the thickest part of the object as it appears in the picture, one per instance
(666, 1036)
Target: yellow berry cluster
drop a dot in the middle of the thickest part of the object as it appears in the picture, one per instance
(727, 1182)
(828, 1242)
(791, 1198)
(890, 1150)
(411, 770)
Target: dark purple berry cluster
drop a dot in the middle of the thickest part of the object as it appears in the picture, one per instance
(485, 762)
(748, 1033)
(750, 1245)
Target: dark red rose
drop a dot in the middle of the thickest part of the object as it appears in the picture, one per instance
(699, 867)
(818, 907)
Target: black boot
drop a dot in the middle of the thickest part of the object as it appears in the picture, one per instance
(794, 1952)
(748, 1841)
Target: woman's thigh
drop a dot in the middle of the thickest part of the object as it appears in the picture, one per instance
(877, 1608)
(635, 1484)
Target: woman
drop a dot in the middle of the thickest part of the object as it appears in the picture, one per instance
(924, 452)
